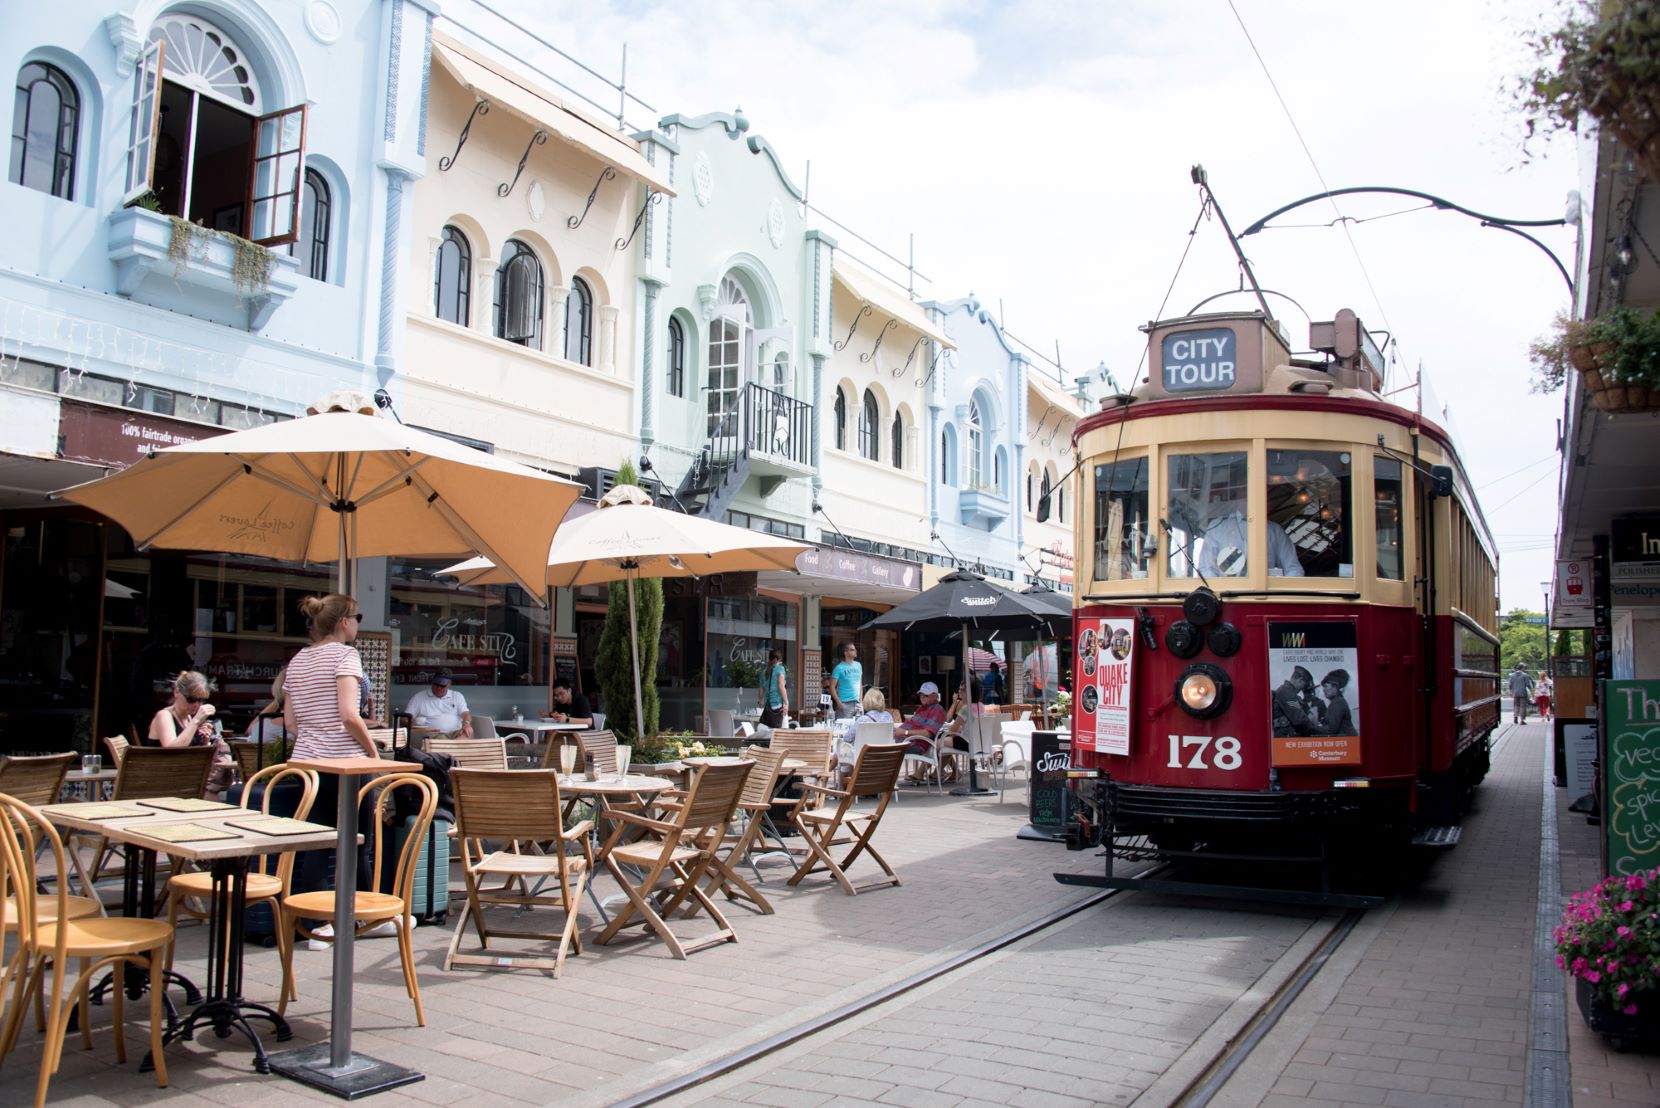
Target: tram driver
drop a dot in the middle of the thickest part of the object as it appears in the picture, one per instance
(1226, 538)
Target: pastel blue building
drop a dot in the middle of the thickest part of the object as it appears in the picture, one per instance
(282, 136)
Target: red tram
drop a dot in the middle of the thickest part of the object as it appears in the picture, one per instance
(1285, 611)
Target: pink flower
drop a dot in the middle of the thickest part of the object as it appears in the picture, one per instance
(1621, 991)
(1630, 1009)
(1593, 976)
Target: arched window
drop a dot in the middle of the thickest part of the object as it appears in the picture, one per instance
(677, 358)
(1043, 488)
(948, 456)
(869, 419)
(997, 469)
(731, 337)
(454, 278)
(1060, 504)
(519, 296)
(975, 445)
(579, 323)
(45, 128)
(312, 247)
(1031, 505)
(898, 441)
(841, 419)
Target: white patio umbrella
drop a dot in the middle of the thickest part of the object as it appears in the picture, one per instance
(628, 538)
(340, 484)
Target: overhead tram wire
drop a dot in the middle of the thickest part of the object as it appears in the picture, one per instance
(1551, 457)
(1321, 177)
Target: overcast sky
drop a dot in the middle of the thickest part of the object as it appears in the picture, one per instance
(1039, 153)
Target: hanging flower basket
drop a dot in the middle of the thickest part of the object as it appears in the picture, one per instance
(1617, 356)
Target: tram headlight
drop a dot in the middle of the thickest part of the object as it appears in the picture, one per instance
(1204, 691)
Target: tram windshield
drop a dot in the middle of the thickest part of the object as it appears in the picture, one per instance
(1309, 512)
(1122, 541)
(1208, 533)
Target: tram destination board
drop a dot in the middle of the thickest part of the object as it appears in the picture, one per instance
(1631, 776)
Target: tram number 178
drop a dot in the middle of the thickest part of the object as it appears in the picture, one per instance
(1190, 751)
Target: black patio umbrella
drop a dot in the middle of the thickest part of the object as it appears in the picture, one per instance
(1042, 596)
(962, 601)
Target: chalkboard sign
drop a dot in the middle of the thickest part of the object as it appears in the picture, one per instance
(1051, 802)
(1631, 775)
(565, 662)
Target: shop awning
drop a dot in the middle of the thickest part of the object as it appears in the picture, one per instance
(544, 109)
(884, 297)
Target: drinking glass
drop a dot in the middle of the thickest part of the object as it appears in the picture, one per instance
(567, 759)
(625, 754)
(92, 763)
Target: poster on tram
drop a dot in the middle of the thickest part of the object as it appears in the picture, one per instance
(1101, 704)
(1314, 688)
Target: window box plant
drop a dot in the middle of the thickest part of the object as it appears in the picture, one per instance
(1609, 941)
(187, 268)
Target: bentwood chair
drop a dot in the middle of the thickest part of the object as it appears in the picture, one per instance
(674, 857)
(822, 825)
(518, 808)
(51, 936)
(267, 879)
(368, 908)
(34, 780)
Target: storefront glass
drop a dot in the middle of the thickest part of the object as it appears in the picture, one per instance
(492, 638)
(741, 630)
(49, 597)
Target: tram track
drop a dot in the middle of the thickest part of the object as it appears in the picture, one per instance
(1320, 940)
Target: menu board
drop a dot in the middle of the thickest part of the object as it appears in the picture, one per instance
(1631, 775)
(1050, 806)
(1103, 661)
(566, 664)
(375, 648)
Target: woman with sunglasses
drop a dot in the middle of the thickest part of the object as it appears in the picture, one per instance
(189, 719)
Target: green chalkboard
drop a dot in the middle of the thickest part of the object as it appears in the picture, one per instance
(1051, 800)
(1631, 775)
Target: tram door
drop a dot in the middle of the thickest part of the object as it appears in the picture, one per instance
(1424, 573)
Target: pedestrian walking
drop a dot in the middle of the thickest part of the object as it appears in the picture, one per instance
(1521, 691)
(1543, 690)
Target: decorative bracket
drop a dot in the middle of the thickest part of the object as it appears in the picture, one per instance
(1041, 420)
(880, 335)
(535, 140)
(480, 107)
(923, 379)
(864, 310)
(575, 221)
(652, 197)
(909, 358)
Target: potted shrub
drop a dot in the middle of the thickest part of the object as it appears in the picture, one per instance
(1602, 60)
(1617, 355)
(1609, 942)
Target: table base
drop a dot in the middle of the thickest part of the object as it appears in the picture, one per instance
(361, 1076)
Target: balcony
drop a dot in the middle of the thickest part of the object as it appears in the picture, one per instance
(198, 272)
(986, 506)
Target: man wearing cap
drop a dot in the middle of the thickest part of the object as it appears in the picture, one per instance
(440, 708)
(921, 728)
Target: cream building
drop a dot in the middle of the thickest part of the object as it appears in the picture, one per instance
(521, 330)
(1051, 415)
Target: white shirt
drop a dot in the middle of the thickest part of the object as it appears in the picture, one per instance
(1222, 549)
(441, 713)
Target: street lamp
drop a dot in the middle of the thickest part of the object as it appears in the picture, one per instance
(1544, 588)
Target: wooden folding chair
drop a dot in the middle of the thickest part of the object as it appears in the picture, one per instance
(117, 746)
(755, 802)
(472, 753)
(518, 807)
(147, 772)
(811, 745)
(600, 738)
(677, 853)
(600, 748)
(34, 781)
(874, 774)
(254, 758)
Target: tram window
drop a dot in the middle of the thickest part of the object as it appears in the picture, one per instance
(1122, 542)
(1209, 535)
(1386, 480)
(1309, 507)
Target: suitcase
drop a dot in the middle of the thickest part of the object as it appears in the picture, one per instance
(429, 892)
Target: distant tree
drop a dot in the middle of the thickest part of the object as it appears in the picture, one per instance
(615, 666)
(1521, 641)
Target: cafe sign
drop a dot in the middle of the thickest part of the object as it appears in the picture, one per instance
(118, 437)
(1634, 548)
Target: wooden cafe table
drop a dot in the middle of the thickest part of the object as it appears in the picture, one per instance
(224, 838)
(333, 1067)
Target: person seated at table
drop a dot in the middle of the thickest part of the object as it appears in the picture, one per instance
(569, 705)
(875, 708)
(966, 701)
(440, 708)
(921, 728)
(188, 720)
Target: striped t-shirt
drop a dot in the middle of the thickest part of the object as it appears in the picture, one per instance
(310, 687)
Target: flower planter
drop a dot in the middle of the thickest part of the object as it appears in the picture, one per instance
(1622, 1032)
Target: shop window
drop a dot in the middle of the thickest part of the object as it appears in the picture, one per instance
(1206, 507)
(677, 358)
(199, 142)
(312, 247)
(45, 130)
(1308, 511)
(1123, 541)
(869, 418)
(579, 323)
(519, 296)
(454, 278)
(491, 636)
(1386, 484)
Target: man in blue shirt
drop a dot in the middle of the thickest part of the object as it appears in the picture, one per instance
(848, 686)
(992, 684)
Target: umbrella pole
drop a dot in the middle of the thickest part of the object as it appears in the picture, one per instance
(974, 788)
(634, 648)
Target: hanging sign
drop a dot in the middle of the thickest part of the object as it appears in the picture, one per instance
(1104, 657)
(1314, 685)
(1575, 603)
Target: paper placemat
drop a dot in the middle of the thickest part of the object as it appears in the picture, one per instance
(187, 833)
(187, 804)
(110, 811)
(277, 825)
